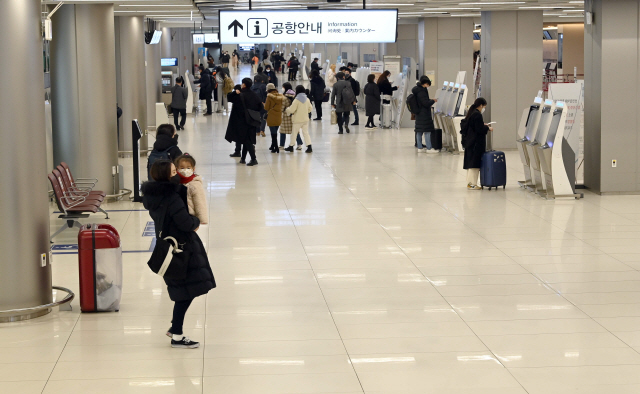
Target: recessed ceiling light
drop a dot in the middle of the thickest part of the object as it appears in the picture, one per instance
(453, 9)
(551, 7)
(571, 16)
(495, 3)
(465, 14)
(155, 5)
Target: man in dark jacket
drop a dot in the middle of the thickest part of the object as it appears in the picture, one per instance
(263, 77)
(355, 86)
(315, 66)
(343, 108)
(179, 95)
(239, 129)
(293, 68)
(206, 87)
(424, 119)
(317, 92)
(272, 77)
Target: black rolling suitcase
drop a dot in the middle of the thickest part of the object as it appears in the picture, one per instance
(493, 169)
(436, 139)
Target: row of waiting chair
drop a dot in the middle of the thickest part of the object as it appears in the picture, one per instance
(75, 198)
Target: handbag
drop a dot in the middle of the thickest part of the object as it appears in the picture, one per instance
(169, 258)
(325, 98)
(334, 117)
(253, 117)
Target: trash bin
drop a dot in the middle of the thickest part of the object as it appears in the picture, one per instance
(100, 266)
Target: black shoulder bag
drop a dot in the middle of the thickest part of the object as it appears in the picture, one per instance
(253, 117)
(169, 259)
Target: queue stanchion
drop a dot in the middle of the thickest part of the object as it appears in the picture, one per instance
(136, 134)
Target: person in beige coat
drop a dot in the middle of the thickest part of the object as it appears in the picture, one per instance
(274, 106)
(196, 195)
(330, 76)
(300, 111)
(287, 125)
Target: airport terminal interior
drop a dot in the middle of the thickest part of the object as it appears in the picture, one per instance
(362, 265)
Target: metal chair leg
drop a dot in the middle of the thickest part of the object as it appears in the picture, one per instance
(61, 229)
(103, 211)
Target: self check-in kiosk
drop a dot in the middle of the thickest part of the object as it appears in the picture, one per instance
(557, 159)
(442, 96)
(540, 139)
(454, 117)
(169, 72)
(526, 133)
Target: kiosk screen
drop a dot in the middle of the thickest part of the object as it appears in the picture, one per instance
(528, 134)
(459, 103)
(540, 133)
(555, 122)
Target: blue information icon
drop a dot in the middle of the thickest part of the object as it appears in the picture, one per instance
(257, 27)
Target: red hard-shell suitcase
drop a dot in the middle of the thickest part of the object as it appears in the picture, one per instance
(100, 266)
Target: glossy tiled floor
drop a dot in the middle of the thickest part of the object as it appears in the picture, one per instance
(363, 267)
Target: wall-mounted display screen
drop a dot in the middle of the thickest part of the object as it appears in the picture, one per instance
(308, 26)
(198, 39)
(169, 61)
(247, 47)
(157, 34)
(211, 38)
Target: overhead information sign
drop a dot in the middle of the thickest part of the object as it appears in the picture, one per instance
(308, 26)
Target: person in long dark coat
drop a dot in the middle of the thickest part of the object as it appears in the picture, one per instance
(239, 130)
(317, 92)
(424, 119)
(371, 101)
(206, 87)
(166, 194)
(475, 142)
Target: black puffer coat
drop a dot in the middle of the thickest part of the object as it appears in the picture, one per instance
(475, 141)
(424, 119)
(180, 225)
(238, 129)
(372, 99)
(164, 142)
(206, 84)
(317, 88)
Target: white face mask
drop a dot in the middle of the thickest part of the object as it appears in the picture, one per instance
(186, 172)
(482, 111)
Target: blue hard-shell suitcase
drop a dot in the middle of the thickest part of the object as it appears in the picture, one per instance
(493, 170)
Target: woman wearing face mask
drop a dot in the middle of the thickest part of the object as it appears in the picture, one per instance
(166, 200)
(475, 143)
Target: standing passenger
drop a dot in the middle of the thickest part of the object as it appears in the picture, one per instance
(179, 96)
(371, 101)
(475, 142)
(240, 128)
(342, 99)
(300, 110)
(274, 107)
(317, 92)
(166, 200)
(424, 120)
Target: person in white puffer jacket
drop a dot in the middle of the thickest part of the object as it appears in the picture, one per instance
(300, 111)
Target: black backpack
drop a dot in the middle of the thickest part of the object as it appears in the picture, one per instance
(412, 104)
(347, 95)
(356, 87)
(154, 156)
(463, 131)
